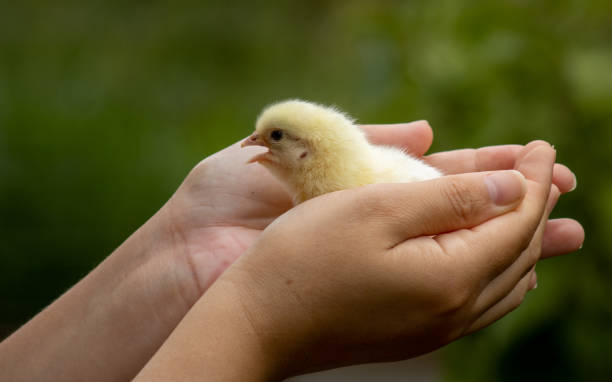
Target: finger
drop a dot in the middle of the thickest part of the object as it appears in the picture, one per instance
(505, 282)
(510, 302)
(564, 178)
(415, 137)
(490, 248)
(473, 160)
(553, 198)
(533, 162)
(493, 158)
(562, 236)
(440, 205)
(533, 284)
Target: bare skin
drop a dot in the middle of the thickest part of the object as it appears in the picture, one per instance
(365, 275)
(111, 323)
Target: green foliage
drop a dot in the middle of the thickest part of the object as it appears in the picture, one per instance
(106, 105)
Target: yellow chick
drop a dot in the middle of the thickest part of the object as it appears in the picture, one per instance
(314, 150)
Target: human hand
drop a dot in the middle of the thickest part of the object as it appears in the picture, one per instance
(561, 236)
(149, 283)
(376, 287)
(356, 276)
(222, 206)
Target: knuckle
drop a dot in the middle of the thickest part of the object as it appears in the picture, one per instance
(463, 201)
(458, 301)
(456, 296)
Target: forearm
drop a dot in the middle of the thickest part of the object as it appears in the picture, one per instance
(109, 324)
(215, 342)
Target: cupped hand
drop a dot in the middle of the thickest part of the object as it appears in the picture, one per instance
(378, 273)
(224, 204)
(561, 236)
(392, 271)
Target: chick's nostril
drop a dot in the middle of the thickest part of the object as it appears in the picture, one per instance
(253, 140)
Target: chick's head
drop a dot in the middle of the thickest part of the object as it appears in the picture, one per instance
(300, 134)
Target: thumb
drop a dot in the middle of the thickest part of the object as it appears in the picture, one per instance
(446, 204)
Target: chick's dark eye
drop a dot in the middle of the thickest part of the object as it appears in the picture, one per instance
(276, 135)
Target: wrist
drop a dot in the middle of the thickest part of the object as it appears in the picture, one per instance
(155, 258)
(216, 340)
(139, 294)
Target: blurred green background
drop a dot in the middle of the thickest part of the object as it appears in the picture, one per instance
(106, 105)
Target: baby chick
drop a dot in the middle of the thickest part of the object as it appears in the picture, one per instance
(315, 149)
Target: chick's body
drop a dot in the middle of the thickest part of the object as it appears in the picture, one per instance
(315, 149)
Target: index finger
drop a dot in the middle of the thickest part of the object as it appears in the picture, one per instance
(493, 158)
(474, 160)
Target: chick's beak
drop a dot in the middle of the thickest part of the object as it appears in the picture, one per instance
(255, 140)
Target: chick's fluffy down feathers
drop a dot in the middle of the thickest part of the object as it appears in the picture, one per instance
(315, 149)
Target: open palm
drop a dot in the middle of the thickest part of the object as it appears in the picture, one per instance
(225, 203)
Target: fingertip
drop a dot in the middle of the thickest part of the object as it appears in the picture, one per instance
(564, 178)
(537, 162)
(562, 236)
(538, 142)
(424, 132)
(579, 234)
(544, 147)
(506, 187)
(415, 137)
(533, 282)
(574, 183)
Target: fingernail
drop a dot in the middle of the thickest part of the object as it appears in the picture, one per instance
(575, 183)
(533, 282)
(505, 187)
